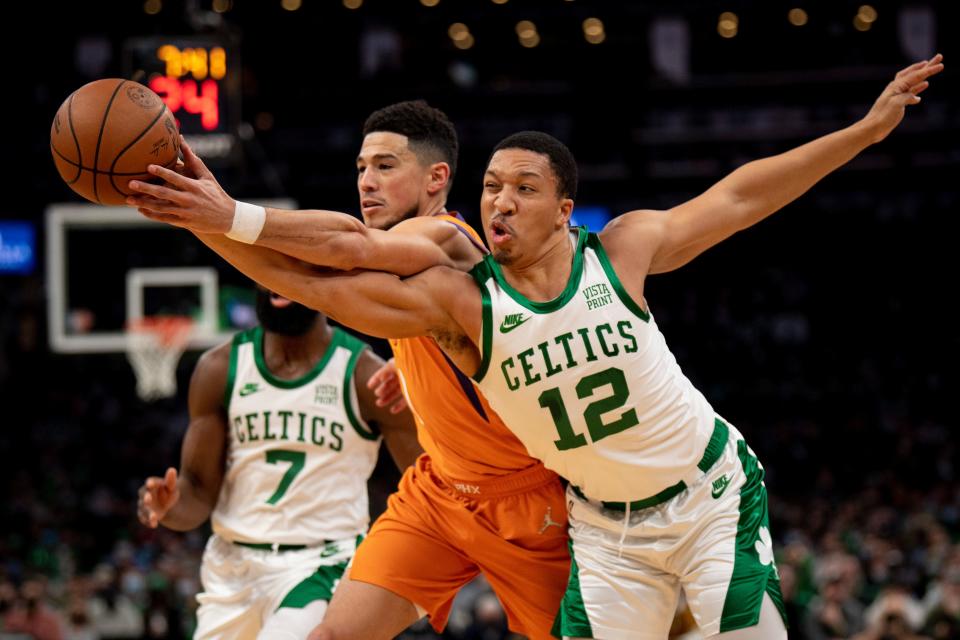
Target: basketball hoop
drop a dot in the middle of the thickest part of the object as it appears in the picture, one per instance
(154, 347)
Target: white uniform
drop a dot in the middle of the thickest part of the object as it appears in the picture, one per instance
(663, 492)
(293, 504)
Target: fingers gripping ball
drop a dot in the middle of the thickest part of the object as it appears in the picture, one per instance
(106, 133)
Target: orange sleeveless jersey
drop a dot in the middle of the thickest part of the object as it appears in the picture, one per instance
(462, 435)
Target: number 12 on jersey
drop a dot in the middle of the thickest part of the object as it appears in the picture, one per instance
(593, 415)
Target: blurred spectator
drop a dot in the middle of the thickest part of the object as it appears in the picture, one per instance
(489, 620)
(835, 613)
(895, 608)
(943, 603)
(113, 612)
(30, 613)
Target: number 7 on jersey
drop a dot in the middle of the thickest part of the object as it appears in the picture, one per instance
(296, 460)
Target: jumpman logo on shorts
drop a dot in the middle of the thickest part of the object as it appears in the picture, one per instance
(548, 521)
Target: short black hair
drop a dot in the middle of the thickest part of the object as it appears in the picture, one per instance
(561, 159)
(429, 131)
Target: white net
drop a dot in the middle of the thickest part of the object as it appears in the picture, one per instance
(154, 347)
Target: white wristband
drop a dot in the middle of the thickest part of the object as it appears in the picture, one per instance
(248, 221)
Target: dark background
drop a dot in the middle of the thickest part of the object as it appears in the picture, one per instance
(825, 334)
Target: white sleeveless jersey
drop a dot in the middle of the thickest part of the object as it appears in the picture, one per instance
(299, 454)
(587, 383)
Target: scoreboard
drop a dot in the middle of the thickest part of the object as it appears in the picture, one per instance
(198, 78)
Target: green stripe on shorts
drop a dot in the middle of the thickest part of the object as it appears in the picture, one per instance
(754, 571)
(319, 586)
(572, 620)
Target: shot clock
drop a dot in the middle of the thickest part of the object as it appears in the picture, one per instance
(198, 77)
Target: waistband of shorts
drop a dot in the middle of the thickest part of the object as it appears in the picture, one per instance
(718, 439)
(276, 547)
(521, 481)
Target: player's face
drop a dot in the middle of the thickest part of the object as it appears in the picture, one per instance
(281, 315)
(391, 180)
(520, 206)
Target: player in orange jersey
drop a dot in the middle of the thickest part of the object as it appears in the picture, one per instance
(475, 501)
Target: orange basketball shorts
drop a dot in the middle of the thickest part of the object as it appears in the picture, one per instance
(438, 533)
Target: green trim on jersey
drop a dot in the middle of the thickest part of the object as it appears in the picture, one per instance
(572, 620)
(356, 346)
(280, 383)
(593, 241)
(754, 570)
(318, 586)
(552, 305)
(238, 339)
(481, 273)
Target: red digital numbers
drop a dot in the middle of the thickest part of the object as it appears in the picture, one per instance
(184, 68)
(184, 94)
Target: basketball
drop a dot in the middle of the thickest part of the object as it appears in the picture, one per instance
(106, 133)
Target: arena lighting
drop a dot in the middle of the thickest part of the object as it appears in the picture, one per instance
(353, 4)
(797, 17)
(458, 31)
(222, 6)
(500, 1)
(429, 3)
(152, 7)
(461, 36)
(527, 33)
(526, 29)
(290, 5)
(728, 24)
(464, 43)
(593, 30)
(865, 18)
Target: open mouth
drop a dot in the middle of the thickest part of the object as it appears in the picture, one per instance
(500, 232)
(279, 301)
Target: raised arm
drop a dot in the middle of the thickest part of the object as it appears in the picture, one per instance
(398, 429)
(193, 199)
(184, 501)
(757, 189)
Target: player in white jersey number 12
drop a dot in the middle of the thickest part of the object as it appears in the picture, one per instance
(283, 435)
(554, 328)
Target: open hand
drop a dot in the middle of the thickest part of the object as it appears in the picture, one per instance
(386, 386)
(888, 110)
(157, 496)
(191, 196)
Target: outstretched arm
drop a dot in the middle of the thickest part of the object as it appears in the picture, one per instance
(375, 303)
(759, 188)
(183, 502)
(193, 199)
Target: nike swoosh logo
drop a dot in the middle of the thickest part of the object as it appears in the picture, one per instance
(248, 389)
(507, 328)
(719, 487)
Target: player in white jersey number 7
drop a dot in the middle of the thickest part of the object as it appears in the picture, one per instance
(283, 435)
(664, 494)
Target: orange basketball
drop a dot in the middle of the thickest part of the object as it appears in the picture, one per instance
(106, 133)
